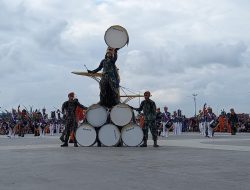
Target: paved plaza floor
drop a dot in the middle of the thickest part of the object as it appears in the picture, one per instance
(185, 162)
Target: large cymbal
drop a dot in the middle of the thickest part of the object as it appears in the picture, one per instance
(87, 74)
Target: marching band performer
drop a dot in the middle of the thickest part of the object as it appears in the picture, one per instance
(233, 120)
(69, 111)
(175, 123)
(23, 122)
(109, 84)
(180, 120)
(201, 120)
(159, 121)
(210, 117)
(223, 123)
(166, 117)
(149, 110)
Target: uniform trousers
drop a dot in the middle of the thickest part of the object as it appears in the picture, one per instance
(149, 124)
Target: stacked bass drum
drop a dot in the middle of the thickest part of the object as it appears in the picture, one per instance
(109, 127)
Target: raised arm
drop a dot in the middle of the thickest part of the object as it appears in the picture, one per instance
(97, 69)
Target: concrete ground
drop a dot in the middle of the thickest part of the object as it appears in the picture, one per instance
(188, 161)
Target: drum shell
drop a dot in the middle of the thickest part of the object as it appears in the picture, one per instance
(96, 115)
(169, 124)
(213, 124)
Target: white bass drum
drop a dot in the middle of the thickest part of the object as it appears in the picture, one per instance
(85, 135)
(116, 37)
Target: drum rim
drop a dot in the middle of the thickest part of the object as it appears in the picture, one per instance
(89, 126)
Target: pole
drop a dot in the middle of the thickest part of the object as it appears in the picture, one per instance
(194, 95)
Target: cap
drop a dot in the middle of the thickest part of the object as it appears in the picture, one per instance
(71, 94)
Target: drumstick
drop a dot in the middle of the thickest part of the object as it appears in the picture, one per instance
(85, 66)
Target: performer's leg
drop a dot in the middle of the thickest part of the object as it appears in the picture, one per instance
(175, 128)
(74, 132)
(145, 134)
(163, 129)
(104, 88)
(67, 133)
(167, 132)
(180, 127)
(153, 130)
(206, 129)
(232, 129)
(209, 130)
(10, 132)
(200, 127)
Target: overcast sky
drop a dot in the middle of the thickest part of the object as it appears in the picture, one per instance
(177, 48)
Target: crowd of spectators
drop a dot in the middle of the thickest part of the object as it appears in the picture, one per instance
(20, 122)
(191, 124)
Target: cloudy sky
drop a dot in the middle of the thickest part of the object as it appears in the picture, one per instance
(177, 48)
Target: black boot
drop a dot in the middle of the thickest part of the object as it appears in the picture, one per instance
(155, 143)
(120, 144)
(64, 144)
(62, 138)
(75, 144)
(99, 144)
(144, 144)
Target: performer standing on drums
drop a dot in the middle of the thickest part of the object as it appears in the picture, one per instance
(109, 84)
(233, 120)
(69, 110)
(149, 110)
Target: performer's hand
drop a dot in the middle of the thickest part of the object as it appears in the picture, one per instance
(132, 107)
(136, 110)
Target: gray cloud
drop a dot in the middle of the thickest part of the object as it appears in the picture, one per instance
(229, 55)
(176, 48)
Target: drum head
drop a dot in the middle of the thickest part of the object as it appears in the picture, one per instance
(109, 135)
(85, 135)
(132, 135)
(116, 36)
(96, 115)
(121, 114)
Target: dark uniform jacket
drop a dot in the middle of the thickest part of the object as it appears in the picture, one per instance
(69, 107)
(149, 109)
